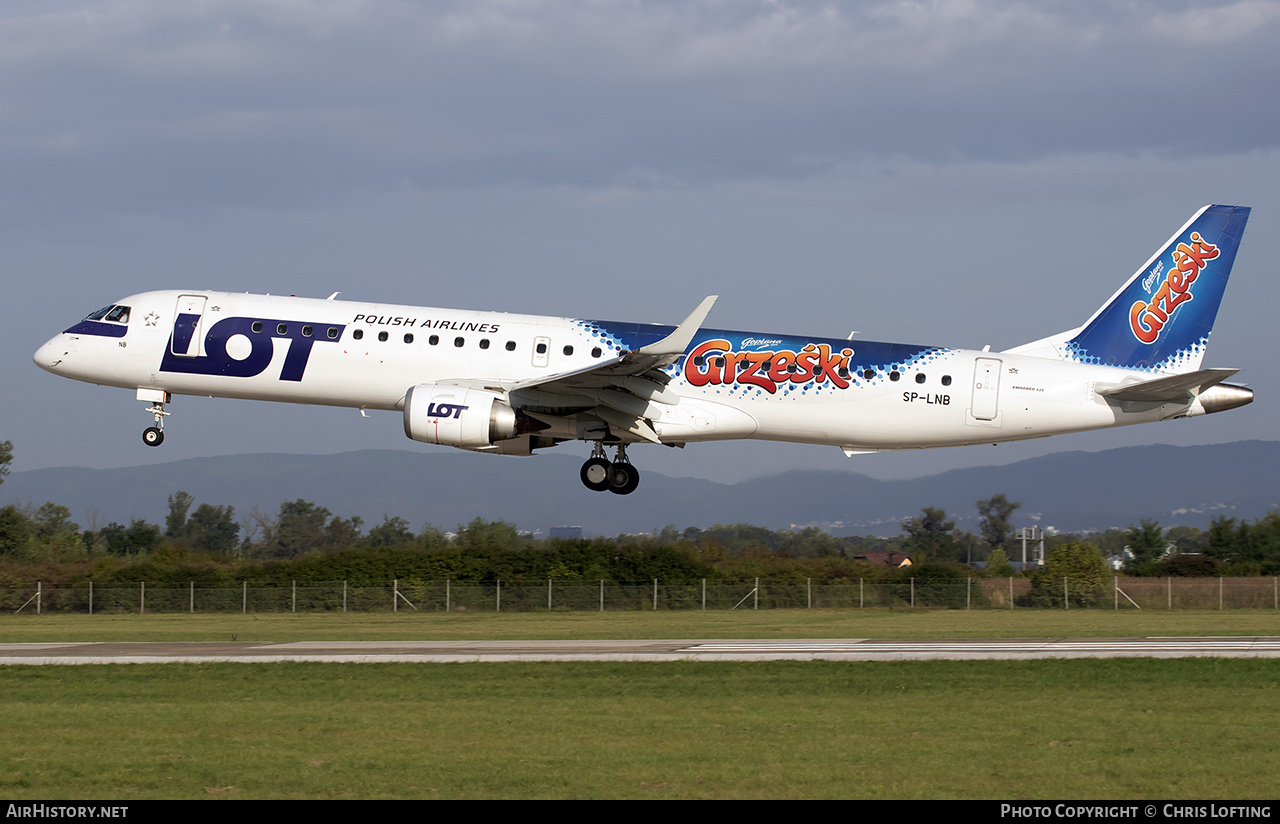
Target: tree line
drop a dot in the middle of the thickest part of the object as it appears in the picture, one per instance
(303, 533)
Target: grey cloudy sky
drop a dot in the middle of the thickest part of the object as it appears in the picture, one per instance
(958, 173)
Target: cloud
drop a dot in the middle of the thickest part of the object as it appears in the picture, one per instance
(154, 106)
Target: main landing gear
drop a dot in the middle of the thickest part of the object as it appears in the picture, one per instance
(618, 476)
(154, 435)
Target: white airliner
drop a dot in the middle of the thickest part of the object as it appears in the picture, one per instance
(510, 384)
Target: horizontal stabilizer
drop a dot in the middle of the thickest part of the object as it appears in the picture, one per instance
(1170, 389)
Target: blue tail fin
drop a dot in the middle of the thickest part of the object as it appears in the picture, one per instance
(1161, 318)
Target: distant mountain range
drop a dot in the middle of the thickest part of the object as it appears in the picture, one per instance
(1071, 491)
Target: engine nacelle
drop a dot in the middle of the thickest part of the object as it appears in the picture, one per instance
(454, 416)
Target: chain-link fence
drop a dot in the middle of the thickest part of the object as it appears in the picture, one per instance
(581, 596)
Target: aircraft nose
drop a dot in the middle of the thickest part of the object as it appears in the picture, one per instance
(51, 355)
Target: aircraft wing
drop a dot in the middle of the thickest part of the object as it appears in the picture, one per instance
(620, 391)
(1169, 389)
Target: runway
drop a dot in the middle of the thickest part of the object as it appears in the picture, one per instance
(844, 649)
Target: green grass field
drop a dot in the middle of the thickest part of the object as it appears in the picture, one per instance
(1079, 729)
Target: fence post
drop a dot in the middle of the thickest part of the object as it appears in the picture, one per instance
(293, 596)
(655, 594)
(1066, 601)
(913, 592)
(808, 585)
(499, 595)
(860, 602)
(548, 595)
(344, 595)
(602, 595)
(142, 597)
(1010, 592)
(39, 595)
(968, 593)
(704, 594)
(395, 594)
(1219, 593)
(244, 597)
(191, 606)
(91, 597)
(755, 600)
(1169, 589)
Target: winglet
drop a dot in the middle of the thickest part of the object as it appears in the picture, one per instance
(678, 341)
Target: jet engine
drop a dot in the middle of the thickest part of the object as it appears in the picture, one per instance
(454, 416)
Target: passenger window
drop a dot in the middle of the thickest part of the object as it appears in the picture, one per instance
(568, 350)
(484, 343)
(333, 331)
(282, 329)
(894, 375)
(458, 342)
(357, 335)
(257, 326)
(919, 377)
(408, 337)
(542, 349)
(946, 380)
(511, 346)
(306, 331)
(868, 374)
(382, 336)
(433, 340)
(595, 353)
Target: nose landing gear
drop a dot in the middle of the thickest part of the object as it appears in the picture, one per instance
(154, 435)
(618, 476)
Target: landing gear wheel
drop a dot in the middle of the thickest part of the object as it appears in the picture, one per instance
(623, 479)
(596, 474)
(152, 436)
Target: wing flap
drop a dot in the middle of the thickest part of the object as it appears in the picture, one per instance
(624, 389)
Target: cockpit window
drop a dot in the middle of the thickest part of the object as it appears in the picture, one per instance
(115, 314)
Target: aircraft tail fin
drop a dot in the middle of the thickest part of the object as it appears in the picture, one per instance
(1160, 319)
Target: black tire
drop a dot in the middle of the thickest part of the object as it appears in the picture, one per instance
(152, 436)
(596, 474)
(624, 479)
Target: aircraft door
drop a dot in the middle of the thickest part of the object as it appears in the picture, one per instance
(188, 327)
(986, 389)
(541, 351)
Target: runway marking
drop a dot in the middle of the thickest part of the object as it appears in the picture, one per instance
(842, 649)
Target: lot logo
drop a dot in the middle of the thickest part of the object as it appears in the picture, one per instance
(1147, 318)
(244, 347)
(445, 410)
(715, 363)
